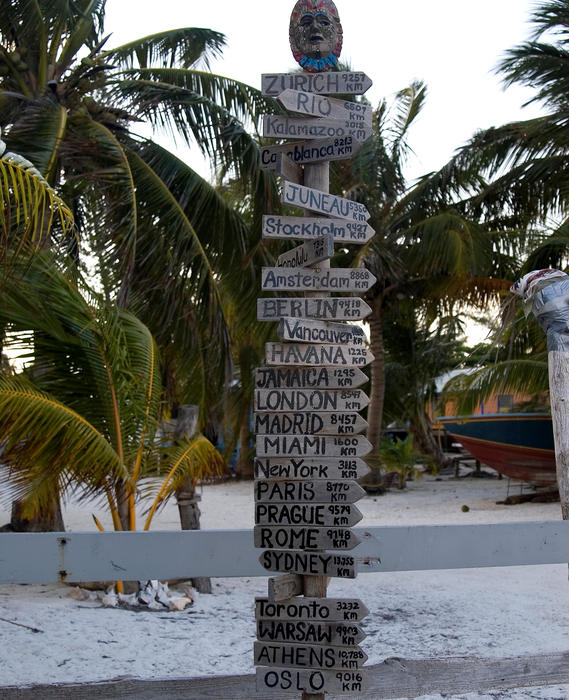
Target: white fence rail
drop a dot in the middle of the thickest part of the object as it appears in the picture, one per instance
(82, 556)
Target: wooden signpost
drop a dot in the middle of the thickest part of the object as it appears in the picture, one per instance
(336, 491)
(309, 354)
(308, 656)
(307, 401)
(306, 330)
(333, 308)
(341, 83)
(293, 227)
(325, 468)
(306, 423)
(329, 204)
(320, 106)
(310, 563)
(312, 609)
(309, 378)
(277, 127)
(338, 634)
(295, 400)
(314, 251)
(335, 279)
(316, 514)
(310, 151)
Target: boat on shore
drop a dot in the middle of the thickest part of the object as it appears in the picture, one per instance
(517, 445)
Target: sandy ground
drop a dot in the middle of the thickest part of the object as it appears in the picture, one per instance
(486, 612)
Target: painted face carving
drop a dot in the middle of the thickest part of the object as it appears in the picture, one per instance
(315, 34)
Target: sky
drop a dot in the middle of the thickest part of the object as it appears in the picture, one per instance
(452, 45)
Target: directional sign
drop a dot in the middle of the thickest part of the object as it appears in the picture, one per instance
(316, 423)
(277, 127)
(311, 331)
(335, 279)
(312, 151)
(305, 537)
(304, 228)
(284, 468)
(287, 400)
(307, 514)
(310, 253)
(320, 106)
(309, 378)
(312, 609)
(312, 446)
(308, 656)
(327, 83)
(310, 563)
(306, 354)
(323, 203)
(310, 681)
(340, 491)
(287, 168)
(339, 634)
(336, 308)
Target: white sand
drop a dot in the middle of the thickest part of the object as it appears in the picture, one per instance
(487, 612)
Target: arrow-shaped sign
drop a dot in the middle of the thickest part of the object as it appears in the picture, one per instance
(320, 106)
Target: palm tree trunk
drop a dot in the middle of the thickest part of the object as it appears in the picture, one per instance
(377, 394)
(244, 467)
(423, 438)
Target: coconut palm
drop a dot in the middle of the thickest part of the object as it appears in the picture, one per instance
(161, 238)
(87, 410)
(426, 250)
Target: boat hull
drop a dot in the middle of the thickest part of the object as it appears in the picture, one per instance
(517, 445)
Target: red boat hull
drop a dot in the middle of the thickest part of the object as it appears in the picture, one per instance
(519, 446)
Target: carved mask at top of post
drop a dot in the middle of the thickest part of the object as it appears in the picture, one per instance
(315, 35)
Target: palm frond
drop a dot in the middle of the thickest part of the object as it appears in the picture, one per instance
(45, 443)
(182, 47)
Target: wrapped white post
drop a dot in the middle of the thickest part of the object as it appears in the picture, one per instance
(546, 295)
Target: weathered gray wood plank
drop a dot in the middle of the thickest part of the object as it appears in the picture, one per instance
(394, 678)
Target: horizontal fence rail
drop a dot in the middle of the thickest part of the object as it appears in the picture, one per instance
(102, 556)
(394, 678)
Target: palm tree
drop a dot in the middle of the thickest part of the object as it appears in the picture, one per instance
(87, 411)
(426, 250)
(161, 238)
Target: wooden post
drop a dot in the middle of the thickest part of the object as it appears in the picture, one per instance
(317, 176)
(546, 294)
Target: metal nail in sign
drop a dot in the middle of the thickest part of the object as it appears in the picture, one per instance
(316, 423)
(333, 308)
(310, 681)
(305, 354)
(300, 468)
(310, 253)
(294, 400)
(320, 106)
(277, 127)
(324, 203)
(309, 378)
(303, 228)
(335, 279)
(340, 83)
(311, 331)
(312, 151)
